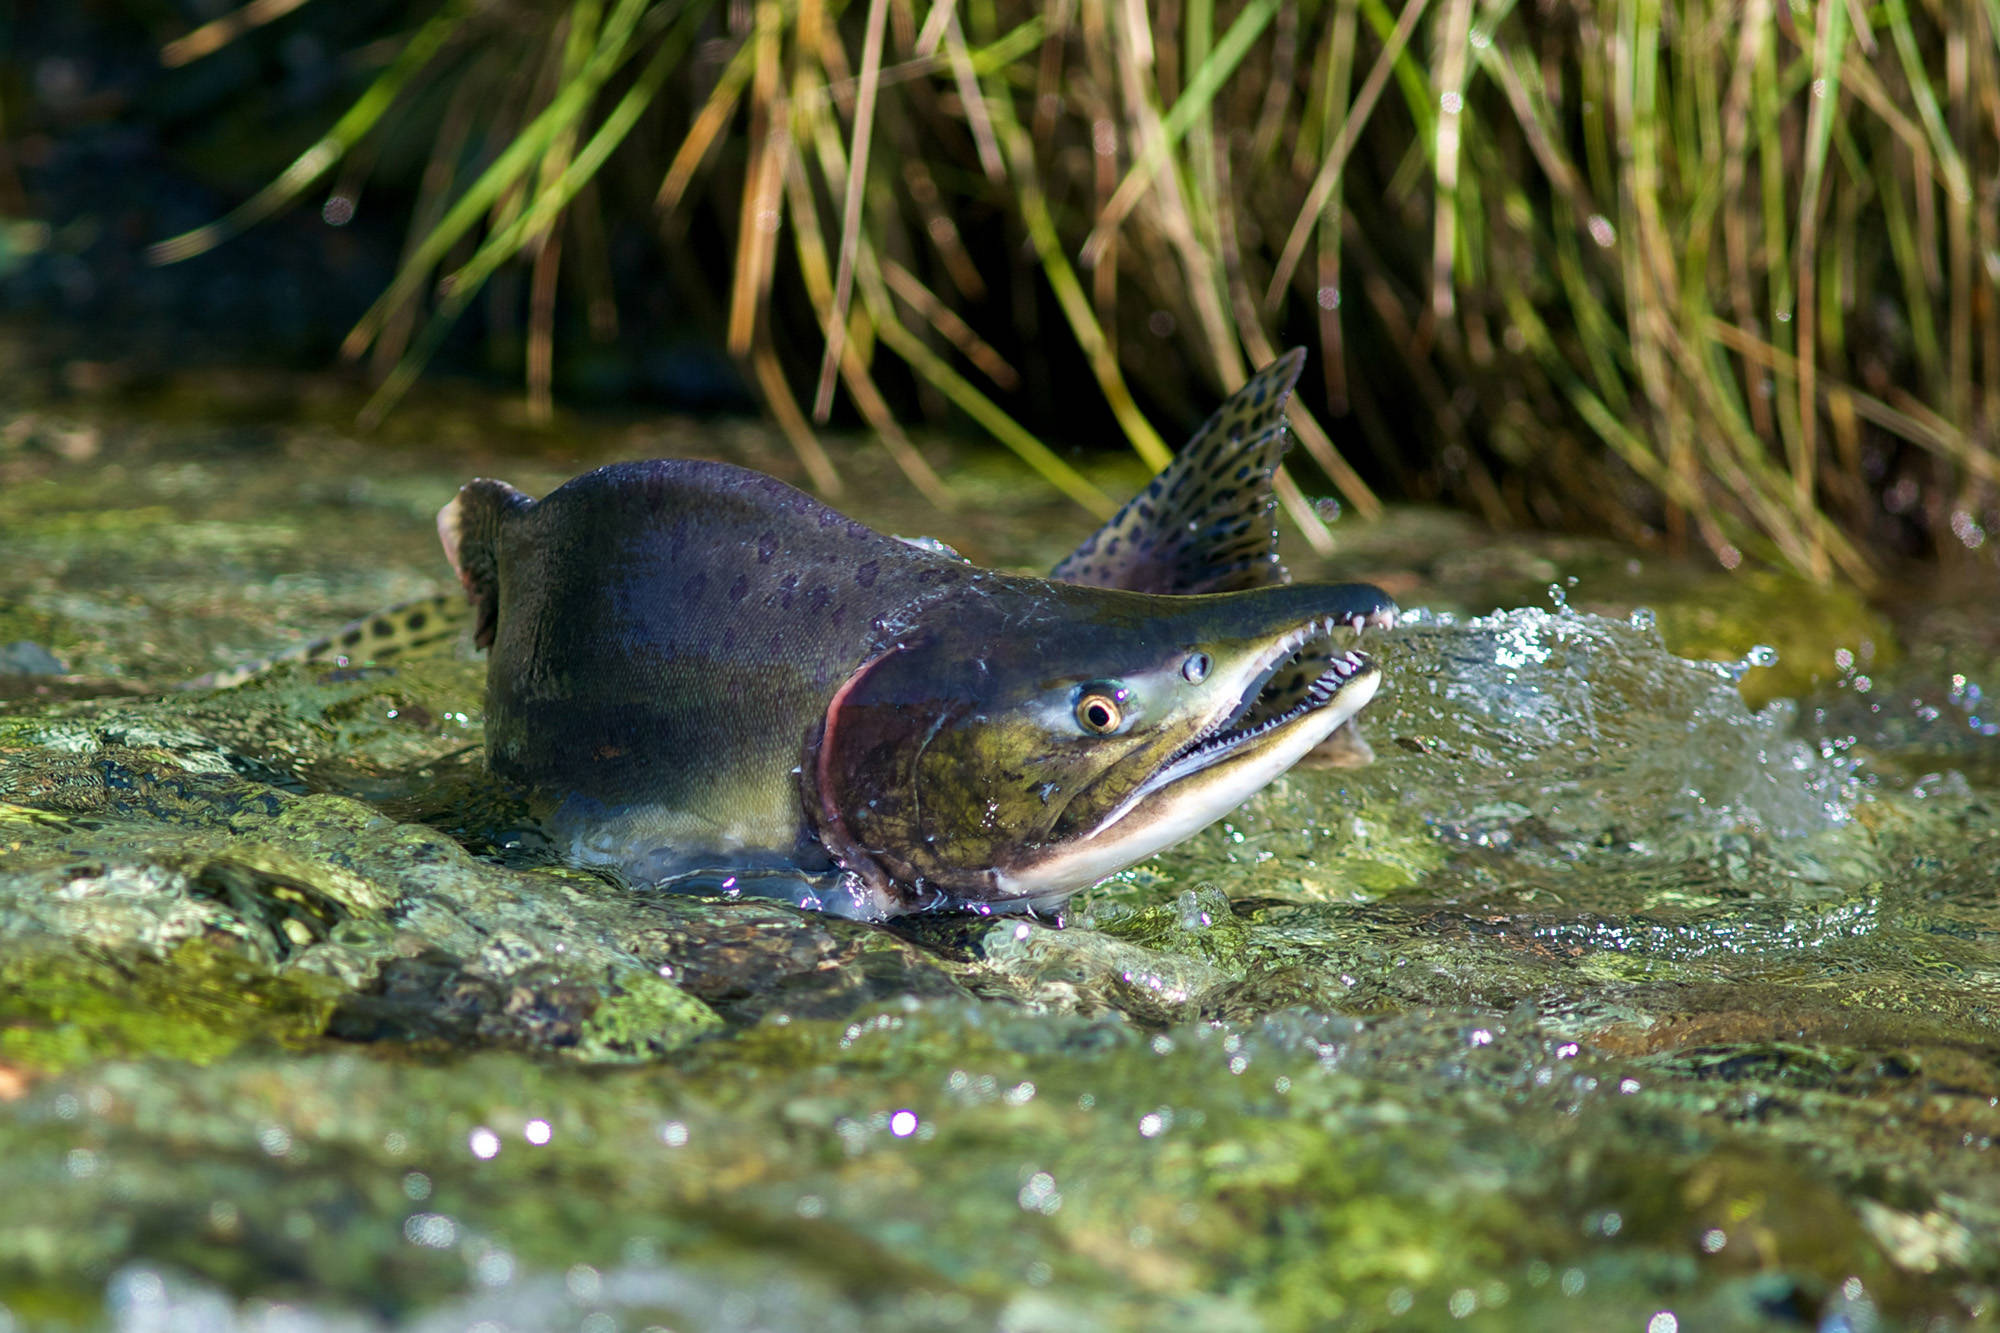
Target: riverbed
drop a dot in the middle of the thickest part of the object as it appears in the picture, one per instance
(1648, 979)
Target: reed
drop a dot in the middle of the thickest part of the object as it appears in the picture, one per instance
(1723, 272)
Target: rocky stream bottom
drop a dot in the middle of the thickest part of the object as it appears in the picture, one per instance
(1598, 1000)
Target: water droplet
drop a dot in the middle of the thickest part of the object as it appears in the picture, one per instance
(495, 1268)
(1040, 1194)
(433, 1231)
(584, 1283)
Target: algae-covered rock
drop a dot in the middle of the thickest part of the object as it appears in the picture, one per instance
(68, 1010)
(1597, 1000)
(642, 1018)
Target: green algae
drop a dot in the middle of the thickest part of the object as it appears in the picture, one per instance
(1820, 634)
(61, 1011)
(642, 1018)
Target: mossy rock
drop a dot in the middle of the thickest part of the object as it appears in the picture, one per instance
(644, 1017)
(63, 1010)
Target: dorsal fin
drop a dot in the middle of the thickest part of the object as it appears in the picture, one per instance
(1204, 524)
(469, 527)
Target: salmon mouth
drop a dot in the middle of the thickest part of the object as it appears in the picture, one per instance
(1303, 675)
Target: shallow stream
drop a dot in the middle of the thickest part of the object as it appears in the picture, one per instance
(1597, 1001)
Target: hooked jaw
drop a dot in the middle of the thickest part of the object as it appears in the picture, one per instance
(1293, 696)
(1262, 711)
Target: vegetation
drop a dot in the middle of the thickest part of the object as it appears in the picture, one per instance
(1692, 270)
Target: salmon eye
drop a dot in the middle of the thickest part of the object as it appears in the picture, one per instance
(1195, 669)
(1099, 714)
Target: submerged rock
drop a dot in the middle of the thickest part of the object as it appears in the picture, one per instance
(25, 658)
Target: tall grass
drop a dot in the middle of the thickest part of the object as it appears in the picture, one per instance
(1714, 271)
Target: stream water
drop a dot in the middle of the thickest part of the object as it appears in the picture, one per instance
(1598, 1000)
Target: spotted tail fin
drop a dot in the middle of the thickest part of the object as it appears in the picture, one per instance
(1204, 524)
(469, 527)
(402, 628)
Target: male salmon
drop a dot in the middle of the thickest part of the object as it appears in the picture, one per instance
(709, 679)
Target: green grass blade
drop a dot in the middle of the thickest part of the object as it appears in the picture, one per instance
(1192, 105)
(520, 156)
(1336, 153)
(538, 216)
(1830, 53)
(317, 160)
(995, 422)
(1957, 180)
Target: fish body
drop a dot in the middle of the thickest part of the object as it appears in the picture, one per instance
(708, 678)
